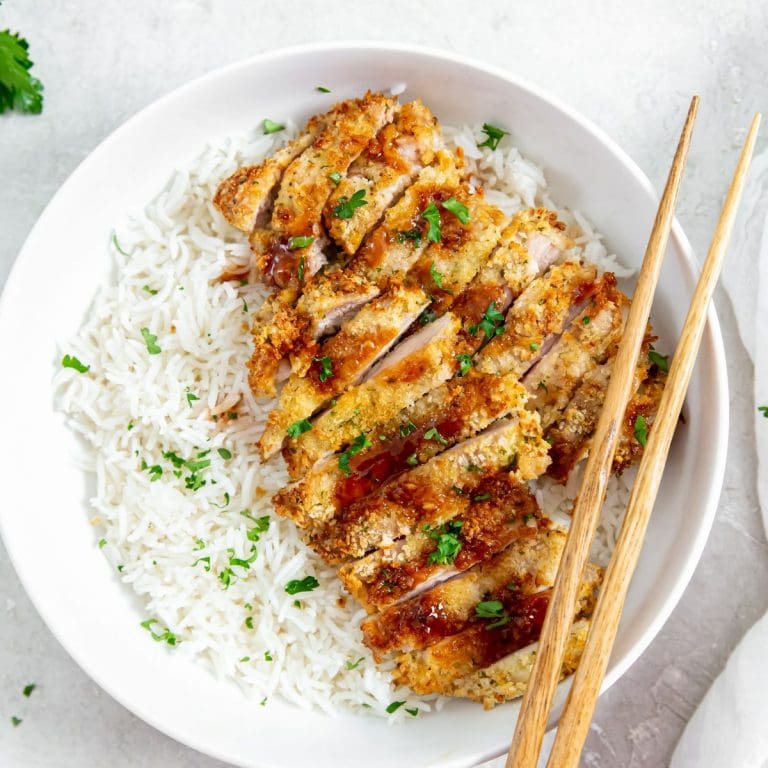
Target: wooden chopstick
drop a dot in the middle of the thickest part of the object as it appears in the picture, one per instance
(574, 724)
(537, 701)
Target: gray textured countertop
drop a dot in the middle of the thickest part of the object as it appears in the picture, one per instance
(631, 70)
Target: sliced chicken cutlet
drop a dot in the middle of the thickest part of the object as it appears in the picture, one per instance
(509, 624)
(419, 364)
(335, 295)
(502, 510)
(454, 411)
(541, 312)
(389, 163)
(426, 495)
(342, 360)
(589, 340)
(570, 434)
(245, 198)
(508, 678)
(523, 568)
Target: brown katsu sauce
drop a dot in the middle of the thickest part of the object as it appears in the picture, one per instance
(280, 263)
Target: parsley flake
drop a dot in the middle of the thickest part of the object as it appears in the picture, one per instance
(16, 721)
(190, 397)
(763, 409)
(272, 127)
(225, 453)
(459, 210)
(354, 664)
(28, 689)
(348, 205)
(434, 434)
(412, 460)
(660, 361)
(301, 268)
(268, 656)
(414, 235)
(494, 134)
(307, 584)
(465, 363)
(70, 361)
(432, 216)
(407, 429)
(335, 177)
(326, 367)
(448, 543)
(641, 430)
(150, 340)
(394, 706)
(490, 324)
(322, 89)
(166, 636)
(361, 442)
(298, 428)
(303, 241)
(436, 276)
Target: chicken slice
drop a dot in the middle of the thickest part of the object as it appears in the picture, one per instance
(487, 640)
(427, 494)
(454, 411)
(508, 678)
(419, 364)
(523, 568)
(541, 311)
(245, 198)
(389, 163)
(387, 576)
(589, 340)
(342, 360)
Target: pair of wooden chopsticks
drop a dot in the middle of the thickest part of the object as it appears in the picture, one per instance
(574, 724)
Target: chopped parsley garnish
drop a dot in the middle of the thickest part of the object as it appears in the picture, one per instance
(641, 430)
(298, 428)
(432, 216)
(174, 458)
(358, 444)
(206, 561)
(533, 346)
(394, 706)
(527, 517)
(261, 525)
(130, 426)
(70, 361)
(300, 269)
(16, 721)
(436, 276)
(323, 89)
(102, 543)
(166, 636)
(434, 434)
(190, 397)
(245, 659)
(150, 340)
(155, 471)
(268, 656)
(413, 712)
(491, 323)
(354, 664)
(197, 464)
(494, 134)
(407, 429)
(473, 468)
(225, 453)
(482, 496)
(492, 609)
(465, 363)
(458, 491)
(19, 90)
(412, 460)
(272, 127)
(335, 177)
(303, 241)
(242, 562)
(263, 702)
(414, 235)
(120, 568)
(150, 291)
(448, 543)
(28, 689)
(660, 361)
(348, 205)
(226, 576)
(763, 409)
(542, 385)
(249, 622)
(459, 210)
(427, 316)
(307, 584)
(326, 367)
(585, 320)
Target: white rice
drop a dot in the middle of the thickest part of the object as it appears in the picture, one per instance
(171, 544)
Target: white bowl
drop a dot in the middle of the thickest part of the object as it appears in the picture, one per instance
(44, 517)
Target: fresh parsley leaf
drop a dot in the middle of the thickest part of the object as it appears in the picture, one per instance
(412, 460)
(660, 361)
(585, 320)
(249, 622)
(268, 656)
(166, 636)
(150, 291)
(491, 324)
(197, 464)
(272, 127)
(448, 543)
(303, 241)
(348, 205)
(413, 712)
(434, 434)
(326, 367)
(298, 428)
(358, 444)
(394, 706)
(307, 584)
(323, 89)
(533, 346)
(763, 409)
(102, 543)
(206, 561)
(414, 235)
(225, 453)
(245, 659)
(459, 210)
(16, 721)
(432, 216)
(354, 664)
(28, 689)
(494, 135)
(297, 604)
(489, 609)
(70, 361)
(300, 270)
(18, 89)
(335, 177)
(641, 430)
(242, 562)
(407, 429)
(436, 276)
(190, 397)
(150, 340)
(465, 363)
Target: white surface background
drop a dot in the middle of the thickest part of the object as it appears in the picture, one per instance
(629, 66)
